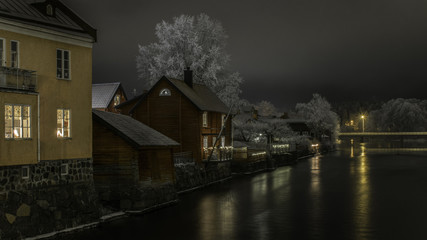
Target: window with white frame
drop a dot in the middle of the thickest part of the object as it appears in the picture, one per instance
(2, 52)
(25, 172)
(14, 54)
(223, 141)
(17, 121)
(165, 92)
(64, 169)
(205, 119)
(213, 141)
(62, 64)
(63, 119)
(222, 120)
(205, 141)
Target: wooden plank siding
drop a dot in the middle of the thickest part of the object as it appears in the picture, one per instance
(116, 161)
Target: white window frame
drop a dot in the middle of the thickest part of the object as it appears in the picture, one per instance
(3, 62)
(64, 167)
(222, 120)
(222, 141)
(205, 119)
(17, 54)
(21, 127)
(61, 62)
(25, 169)
(213, 141)
(205, 141)
(60, 130)
(165, 92)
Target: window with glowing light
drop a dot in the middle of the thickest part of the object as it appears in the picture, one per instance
(63, 119)
(205, 141)
(205, 119)
(165, 92)
(62, 64)
(117, 99)
(17, 121)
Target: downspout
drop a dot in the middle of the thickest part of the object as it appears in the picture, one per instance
(38, 128)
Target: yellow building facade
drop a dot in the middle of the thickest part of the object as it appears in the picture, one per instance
(45, 91)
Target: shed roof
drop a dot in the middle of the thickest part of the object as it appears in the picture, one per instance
(32, 12)
(132, 131)
(103, 93)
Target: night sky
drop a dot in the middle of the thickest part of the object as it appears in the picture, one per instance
(285, 50)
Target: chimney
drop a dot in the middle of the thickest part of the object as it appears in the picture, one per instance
(188, 77)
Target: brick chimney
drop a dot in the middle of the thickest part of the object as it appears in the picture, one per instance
(188, 77)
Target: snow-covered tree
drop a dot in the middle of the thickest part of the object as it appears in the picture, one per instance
(195, 42)
(266, 108)
(399, 115)
(319, 116)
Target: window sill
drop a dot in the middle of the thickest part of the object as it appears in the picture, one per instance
(65, 79)
(18, 139)
(64, 138)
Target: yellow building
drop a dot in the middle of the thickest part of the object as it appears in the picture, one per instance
(45, 83)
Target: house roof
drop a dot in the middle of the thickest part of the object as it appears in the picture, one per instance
(32, 12)
(103, 94)
(132, 131)
(200, 95)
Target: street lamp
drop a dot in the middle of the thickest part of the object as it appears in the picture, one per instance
(363, 122)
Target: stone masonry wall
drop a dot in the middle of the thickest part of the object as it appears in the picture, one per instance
(47, 200)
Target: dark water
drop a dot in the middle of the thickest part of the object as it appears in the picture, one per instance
(358, 194)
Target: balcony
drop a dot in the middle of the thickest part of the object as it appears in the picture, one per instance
(18, 79)
(218, 154)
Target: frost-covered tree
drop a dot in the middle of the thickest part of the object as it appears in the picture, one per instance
(399, 115)
(266, 108)
(319, 116)
(195, 42)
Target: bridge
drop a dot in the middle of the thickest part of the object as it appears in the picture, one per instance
(381, 135)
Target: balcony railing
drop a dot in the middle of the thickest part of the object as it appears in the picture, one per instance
(16, 78)
(219, 153)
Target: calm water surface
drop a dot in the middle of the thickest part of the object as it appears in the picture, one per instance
(349, 194)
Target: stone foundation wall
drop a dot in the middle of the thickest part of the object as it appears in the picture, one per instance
(47, 200)
(192, 175)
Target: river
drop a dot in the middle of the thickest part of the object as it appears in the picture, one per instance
(356, 193)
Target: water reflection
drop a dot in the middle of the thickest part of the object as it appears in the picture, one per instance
(316, 217)
(362, 193)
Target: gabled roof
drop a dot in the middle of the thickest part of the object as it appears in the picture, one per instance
(132, 131)
(200, 95)
(32, 12)
(103, 94)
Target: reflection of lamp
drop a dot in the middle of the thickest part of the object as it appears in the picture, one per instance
(363, 123)
(15, 132)
(59, 133)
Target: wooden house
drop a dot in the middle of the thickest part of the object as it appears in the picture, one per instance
(126, 151)
(189, 113)
(105, 96)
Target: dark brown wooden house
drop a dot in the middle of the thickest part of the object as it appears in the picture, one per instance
(189, 113)
(105, 96)
(126, 151)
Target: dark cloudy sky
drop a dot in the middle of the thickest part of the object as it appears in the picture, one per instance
(284, 49)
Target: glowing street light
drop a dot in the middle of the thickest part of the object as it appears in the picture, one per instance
(363, 122)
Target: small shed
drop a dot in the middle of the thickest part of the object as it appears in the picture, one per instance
(126, 151)
(105, 96)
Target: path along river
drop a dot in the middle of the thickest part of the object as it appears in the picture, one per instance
(357, 193)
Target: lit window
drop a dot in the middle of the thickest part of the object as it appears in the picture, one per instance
(205, 141)
(222, 141)
(63, 119)
(25, 172)
(64, 169)
(165, 92)
(205, 119)
(62, 64)
(14, 54)
(117, 99)
(2, 52)
(17, 121)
